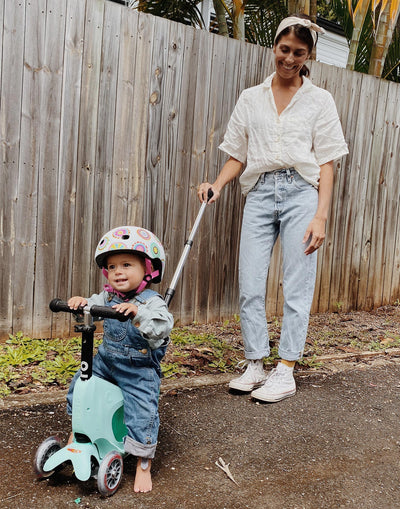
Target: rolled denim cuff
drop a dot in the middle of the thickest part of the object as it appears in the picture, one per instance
(139, 450)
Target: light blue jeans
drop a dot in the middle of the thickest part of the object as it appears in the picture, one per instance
(282, 203)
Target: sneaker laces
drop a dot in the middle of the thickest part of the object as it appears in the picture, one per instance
(243, 364)
(276, 374)
(252, 366)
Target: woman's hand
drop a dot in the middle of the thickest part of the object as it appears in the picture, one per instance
(203, 191)
(76, 302)
(230, 170)
(315, 235)
(126, 308)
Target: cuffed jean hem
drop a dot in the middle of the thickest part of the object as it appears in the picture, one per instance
(140, 450)
(255, 356)
(289, 356)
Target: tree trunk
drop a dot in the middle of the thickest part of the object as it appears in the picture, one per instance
(238, 20)
(298, 6)
(379, 46)
(221, 18)
(384, 34)
(360, 14)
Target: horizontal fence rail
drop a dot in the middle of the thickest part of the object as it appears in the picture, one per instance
(111, 117)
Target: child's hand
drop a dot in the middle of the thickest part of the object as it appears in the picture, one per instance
(126, 308)
(76, 302)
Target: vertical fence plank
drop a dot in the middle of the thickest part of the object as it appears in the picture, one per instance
(125, 118)
(177, 192)
(345, 266)
(105, 128)
(381, 228)
(85, 208)
(373, 169)
(12, 19)
(28, 171)
(154, 177)
(193, 289)
(141, 107)
(391, 280)
(67, 165)
(50, 85)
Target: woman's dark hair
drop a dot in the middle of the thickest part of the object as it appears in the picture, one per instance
(302, 33)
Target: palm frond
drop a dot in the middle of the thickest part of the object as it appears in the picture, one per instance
(262, 19)
(183, 11)
(391, 70)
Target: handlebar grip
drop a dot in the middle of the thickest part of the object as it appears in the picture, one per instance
(107, 312)
(210, 194)
(57, 305)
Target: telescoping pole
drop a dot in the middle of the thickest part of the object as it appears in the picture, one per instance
(188, 246)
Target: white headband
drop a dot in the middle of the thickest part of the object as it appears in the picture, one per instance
(294, 20)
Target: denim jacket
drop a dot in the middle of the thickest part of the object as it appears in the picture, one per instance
(149, 328)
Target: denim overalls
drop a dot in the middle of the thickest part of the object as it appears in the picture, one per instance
(124, 358)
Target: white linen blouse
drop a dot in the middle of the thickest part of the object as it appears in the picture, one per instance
(304, 136)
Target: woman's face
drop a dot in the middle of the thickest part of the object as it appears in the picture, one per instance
(290, 55)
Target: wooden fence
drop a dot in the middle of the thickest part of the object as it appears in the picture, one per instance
(111, 117)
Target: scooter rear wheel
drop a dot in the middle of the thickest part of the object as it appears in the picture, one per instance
(46, 449)
(110, 473)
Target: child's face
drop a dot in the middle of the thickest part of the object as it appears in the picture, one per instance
(125, 271)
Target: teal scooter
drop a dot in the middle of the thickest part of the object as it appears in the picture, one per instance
(97, 448)
(98, 427)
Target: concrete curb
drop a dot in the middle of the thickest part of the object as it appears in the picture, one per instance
(189, 383)
(58, 396)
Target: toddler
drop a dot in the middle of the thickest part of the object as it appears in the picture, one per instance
(130, 354)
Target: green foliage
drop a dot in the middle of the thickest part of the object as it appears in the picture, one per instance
(391, 70)
(262, 19)
(310, 362)
(48, 361)
(183, 11)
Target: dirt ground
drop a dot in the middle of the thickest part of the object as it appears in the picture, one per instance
(336, 444)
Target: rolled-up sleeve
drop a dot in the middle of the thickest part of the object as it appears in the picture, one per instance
(235, 141)
(329, 143)
(154, 321)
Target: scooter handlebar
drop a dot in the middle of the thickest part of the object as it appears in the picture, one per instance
(57, 305)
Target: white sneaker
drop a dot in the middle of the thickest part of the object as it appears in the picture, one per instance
(279, 385)
(253, 377)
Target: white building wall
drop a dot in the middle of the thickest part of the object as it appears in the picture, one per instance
(332, 49)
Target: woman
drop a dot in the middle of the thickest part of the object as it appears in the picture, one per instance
(286, 134)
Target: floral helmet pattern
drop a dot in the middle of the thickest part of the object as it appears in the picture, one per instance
(133, 239)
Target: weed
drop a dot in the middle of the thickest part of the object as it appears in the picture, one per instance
(310, 362)
(172, 369)
(339, 307)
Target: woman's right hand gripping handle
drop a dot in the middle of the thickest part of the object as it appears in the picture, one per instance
(230, 170)
(207, 193)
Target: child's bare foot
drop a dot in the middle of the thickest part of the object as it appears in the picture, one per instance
(143, 482)
(70, 439)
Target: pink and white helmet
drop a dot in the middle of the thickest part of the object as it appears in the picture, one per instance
(133, 239)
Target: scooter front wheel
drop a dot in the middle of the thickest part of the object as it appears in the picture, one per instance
(46, 449)
(110, 473)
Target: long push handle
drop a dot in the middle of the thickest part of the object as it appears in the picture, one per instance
(188, 246)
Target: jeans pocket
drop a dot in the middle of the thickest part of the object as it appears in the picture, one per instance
(299, 183)
(259, 182)
(115, 331)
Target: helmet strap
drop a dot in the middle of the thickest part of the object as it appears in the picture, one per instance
(148, 277)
